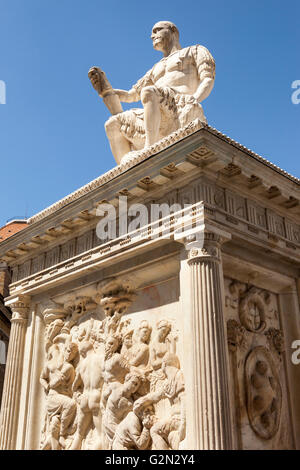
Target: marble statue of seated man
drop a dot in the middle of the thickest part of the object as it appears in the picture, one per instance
(171, 93)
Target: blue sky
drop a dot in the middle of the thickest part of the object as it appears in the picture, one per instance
(52, 139)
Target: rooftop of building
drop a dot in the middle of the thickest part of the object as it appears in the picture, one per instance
(11, 227)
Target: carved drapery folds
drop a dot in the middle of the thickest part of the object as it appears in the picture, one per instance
(256, 345)
(110, 382)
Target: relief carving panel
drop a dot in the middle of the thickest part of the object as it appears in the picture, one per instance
(258, 376)
(111, 381)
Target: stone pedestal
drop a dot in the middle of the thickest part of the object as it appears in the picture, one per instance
(190, 315)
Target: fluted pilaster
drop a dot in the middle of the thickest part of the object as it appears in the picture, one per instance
(211, 427)
(13, 373)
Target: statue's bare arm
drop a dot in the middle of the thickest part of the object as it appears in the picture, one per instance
(44, 379)
(141, 440)
(130, 96)
(205, 65)
(204, 89)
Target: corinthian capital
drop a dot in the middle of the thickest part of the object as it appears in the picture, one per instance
(19, 306)
(206, 243)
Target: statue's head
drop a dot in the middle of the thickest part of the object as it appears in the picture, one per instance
(163, 329)
(127, 338)
(71, 350)
(144, 331)
(163, 34)
(143, 407)
(133, 381)
(112, 344)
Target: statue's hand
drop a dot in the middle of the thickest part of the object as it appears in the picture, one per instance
(95, 77)
(148, 421)
(190, 99)
(99, 80)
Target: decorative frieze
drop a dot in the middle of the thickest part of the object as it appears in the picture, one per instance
(235, 208)
(235, 205)
(84, 242)
(256, 214)
(68, 250)
(52, 257)
(38, 263)
(275, 224)
(292, 232)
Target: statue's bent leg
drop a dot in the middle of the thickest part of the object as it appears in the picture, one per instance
(84, 419)
(118, 143)
(54, 432)
(68, 415)
(97, 420)
(152, 115)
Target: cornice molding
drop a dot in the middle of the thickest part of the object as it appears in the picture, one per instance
(140, 156)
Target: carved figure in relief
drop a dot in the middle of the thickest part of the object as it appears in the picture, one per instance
(120, 402)
(126, 350)
(133, 433)
(84, 330)
(115, 367)
(163, 344)
(263, 393)
(76, 310)
(168, 432)
(171, 93)
(115, 296)
(140, 349)
(57, 378)
(89, 377)
(54, 320)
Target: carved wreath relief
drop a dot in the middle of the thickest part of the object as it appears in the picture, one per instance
(109, 384)
(256, 346)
